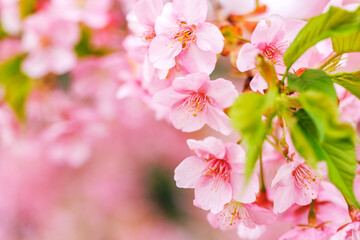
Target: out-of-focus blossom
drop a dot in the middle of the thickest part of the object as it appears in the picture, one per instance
(309, 233)
(10, 16)
(195, 101)
(183, 35)
(295, 182)
(216, 173)
(93, 13)
(9, 127)
(50, 41)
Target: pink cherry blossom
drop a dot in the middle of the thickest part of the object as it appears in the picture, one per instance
(142, 20)
(194, 101)
(93, 13)
(182, 35)
(10, 16)
(235, 213)
(49, 51)
(350, 231)
(295, 182)
(330, 207)
(309, 233)
(216, 173)
(271, 38)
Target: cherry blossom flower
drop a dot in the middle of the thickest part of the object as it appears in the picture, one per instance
(142, 20)
(295, 182)
(235, 213)
(216, 173)
(183, 35)
(195, 101)
(309, 233)
(350, 231)
(10, 16)
(329, 206)
(49, 51)
(93, 13)
(270, 38)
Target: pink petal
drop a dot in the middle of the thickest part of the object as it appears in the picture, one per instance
(246, 57)
(194, 59)
(36, 64)
(236, 156)
(191, 11)
(189, 171)
(167, 22)
(147, 11)
(209, 38)
(185, 121)
(192, 83)
(218, 120)
(271, 30)
(259, 215)
(258, 83)
(223, 92)
(168, 97)
(304, 196)
(250, 233)
(62, 60)
(284, 197)
(240, 193)
(284, 175)
(162, 52)
(213, 198)
(209, 147)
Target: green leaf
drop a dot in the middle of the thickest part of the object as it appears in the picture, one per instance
(350, 81)
(84, 47)
(337, 147)
(314, 80)
(27, 7)
(347, 43)
(320, 108)
(305, 136)
(246, 115)
(16, 84)
(336, 22)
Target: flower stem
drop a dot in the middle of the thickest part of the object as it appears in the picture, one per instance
(312, 214)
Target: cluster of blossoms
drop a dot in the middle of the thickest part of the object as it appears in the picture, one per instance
(88, 71)
(180, 49)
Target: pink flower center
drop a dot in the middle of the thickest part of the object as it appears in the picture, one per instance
(149, 34)
(218, 170)
(80, 3)
(274, 52)
(305, 178)
(45, 42)
(186, 35)
(195, 103)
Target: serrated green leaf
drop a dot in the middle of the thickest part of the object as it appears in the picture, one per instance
(246, 116)
(16, 84)
(305, 136)
(350, 81)
(336, 22)
(347, 43)
(314, 80)
(321, 109)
